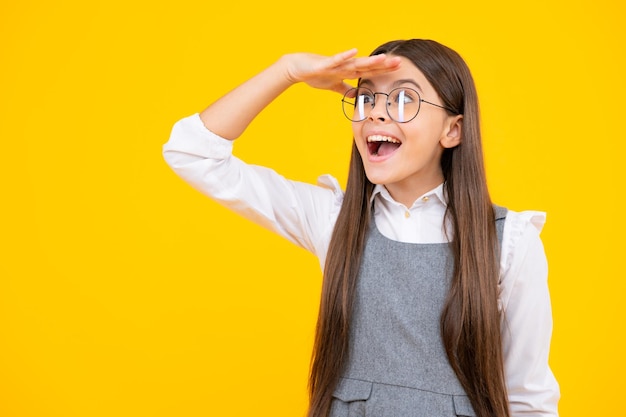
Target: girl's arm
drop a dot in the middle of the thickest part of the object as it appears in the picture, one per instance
(229, 116)
(200, 154)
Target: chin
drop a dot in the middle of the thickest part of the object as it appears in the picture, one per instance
(376, 179)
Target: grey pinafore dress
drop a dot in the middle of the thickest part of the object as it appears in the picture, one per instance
(397, 365)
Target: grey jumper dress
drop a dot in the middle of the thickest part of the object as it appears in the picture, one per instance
(397, 365)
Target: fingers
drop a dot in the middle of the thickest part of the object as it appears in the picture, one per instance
(330, 72)
(346, 66)
(376, 64)
(341, 57)
(351, 67)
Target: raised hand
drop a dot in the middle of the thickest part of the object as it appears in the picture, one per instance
(329, 72)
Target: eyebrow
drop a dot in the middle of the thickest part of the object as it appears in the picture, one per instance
(396, 83)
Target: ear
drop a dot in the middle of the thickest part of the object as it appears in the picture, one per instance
(453, 132)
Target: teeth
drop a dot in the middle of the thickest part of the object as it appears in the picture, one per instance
(380, 138)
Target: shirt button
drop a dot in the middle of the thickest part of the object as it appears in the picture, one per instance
(425, 199)
(407, 214)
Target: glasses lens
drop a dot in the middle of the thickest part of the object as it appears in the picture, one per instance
(357, 103)
(403, 104)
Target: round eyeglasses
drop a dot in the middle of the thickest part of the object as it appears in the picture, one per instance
(403, 104)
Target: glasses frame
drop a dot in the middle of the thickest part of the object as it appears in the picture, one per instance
(344, 101)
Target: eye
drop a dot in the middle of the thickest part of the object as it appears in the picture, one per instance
(403, 96)
(365, 96)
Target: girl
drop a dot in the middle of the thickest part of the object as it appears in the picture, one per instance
(434, 301)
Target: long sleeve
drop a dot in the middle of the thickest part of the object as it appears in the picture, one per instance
(302, 213)
(527, 319)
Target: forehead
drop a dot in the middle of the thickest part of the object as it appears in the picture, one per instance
(406, 75)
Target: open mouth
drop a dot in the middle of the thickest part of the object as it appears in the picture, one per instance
(379, 145)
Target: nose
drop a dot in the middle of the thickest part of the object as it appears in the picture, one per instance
(379, 111)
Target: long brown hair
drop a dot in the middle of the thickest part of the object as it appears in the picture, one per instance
(470, 320)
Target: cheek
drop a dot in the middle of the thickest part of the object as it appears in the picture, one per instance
(423, 133)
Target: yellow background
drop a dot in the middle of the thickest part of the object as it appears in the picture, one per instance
(123, 292)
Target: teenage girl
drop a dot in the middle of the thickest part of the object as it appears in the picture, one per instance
(434, 300)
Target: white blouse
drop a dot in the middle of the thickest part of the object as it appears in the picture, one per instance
(305, 214)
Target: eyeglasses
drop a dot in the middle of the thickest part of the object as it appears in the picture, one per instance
(403, 104)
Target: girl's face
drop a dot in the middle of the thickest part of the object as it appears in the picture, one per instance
(405, 157)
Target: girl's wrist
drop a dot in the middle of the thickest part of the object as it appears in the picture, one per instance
(286, 65)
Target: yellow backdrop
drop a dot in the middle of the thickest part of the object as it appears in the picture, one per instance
(123, 292)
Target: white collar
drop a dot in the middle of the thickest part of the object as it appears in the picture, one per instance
(438, 193)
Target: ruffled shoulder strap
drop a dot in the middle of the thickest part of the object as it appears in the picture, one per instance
(515, 225)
